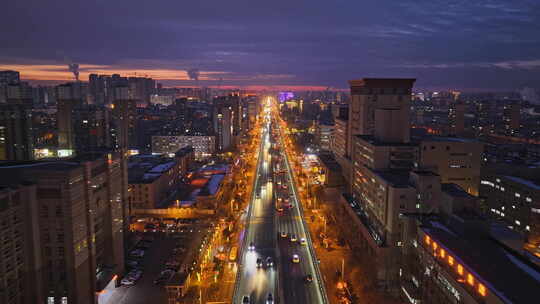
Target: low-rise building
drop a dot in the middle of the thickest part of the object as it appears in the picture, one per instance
(515, 201)
(456, 160)
(154, 178)
(203, 146)
(453, 260)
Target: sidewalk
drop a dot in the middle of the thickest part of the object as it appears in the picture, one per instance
(339, 256)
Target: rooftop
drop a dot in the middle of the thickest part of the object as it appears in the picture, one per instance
(455, 190)
(143, 169)
(184, 151)
(329, 161)
(487, 260)
(375, 142)
(447, 139)
(397, 178)
(522, 181)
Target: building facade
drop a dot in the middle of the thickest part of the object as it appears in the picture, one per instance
(82, 214)
(203, 146)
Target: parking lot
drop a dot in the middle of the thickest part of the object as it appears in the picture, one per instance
(154, 253)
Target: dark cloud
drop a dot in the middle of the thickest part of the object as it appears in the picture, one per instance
(456, 44)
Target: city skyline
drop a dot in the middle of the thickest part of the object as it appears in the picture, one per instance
(463, 46)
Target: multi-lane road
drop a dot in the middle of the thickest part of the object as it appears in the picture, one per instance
(274, 216)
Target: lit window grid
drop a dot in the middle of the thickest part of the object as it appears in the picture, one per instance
(443, 256)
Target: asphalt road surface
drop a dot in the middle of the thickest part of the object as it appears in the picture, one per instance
(286, 280)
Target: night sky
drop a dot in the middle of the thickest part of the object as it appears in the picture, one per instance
(465, 45)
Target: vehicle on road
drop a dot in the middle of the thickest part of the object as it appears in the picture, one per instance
(303, 241)
(283, 234)
(269, 262)
(309, 278)
(259, 263)
(251, 246)
(270, 299)
(293, 238)
(295, 258)
(233, 253)
(246, 300)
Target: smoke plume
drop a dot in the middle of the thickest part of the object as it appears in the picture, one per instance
(193, 74)
(74, 68)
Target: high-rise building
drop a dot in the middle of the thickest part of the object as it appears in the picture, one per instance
(102, 88)
(9, 77)
(226, 120)
(382, 159)
(123, 126)
(21, 261)
(380, 107)
(81, 210)
(456, 117)
(511, 118)
(323, 133)
(16, 139)
(70, 96)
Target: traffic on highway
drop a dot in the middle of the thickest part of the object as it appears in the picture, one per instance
(277, 263)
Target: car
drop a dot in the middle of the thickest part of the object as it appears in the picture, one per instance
(295, 258)
(293, 238)
(251, 246)
(269, 299)
(269, 262)
(303, 241)
(283, 234)
(245, 300)
(259, 263)
(308, 278)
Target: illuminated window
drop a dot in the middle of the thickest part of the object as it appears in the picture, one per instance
(460, 269)
(470, 279)
(443, 253)
(435, 246)
(428, 240)
(450, 260)
(482, 290)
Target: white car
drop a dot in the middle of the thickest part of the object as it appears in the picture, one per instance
(295, 258)
(303, 241)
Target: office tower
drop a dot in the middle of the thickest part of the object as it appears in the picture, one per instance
(16, 140)
(380, 107)
(81, 209)
(123, 124)
(456, 118)
(511, 118)
(382, 159)
(21, 261)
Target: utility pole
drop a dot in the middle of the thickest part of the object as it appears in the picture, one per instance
(343, 269)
